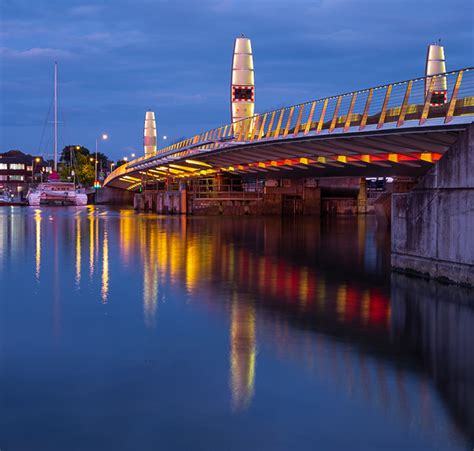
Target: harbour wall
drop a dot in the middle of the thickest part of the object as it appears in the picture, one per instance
(112, 196)
(433, 224)
(331, 197)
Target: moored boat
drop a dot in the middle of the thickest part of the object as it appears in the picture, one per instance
(8, 199)
(56, 193)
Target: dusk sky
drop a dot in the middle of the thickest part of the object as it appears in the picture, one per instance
(118, 59)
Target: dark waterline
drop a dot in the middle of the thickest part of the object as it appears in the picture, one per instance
(136, 332)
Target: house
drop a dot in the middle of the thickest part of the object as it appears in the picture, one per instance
(18, 170)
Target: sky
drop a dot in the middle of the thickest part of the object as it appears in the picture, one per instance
(118, 59)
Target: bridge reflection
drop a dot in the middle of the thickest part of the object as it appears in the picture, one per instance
(318, 294)
(282, 276)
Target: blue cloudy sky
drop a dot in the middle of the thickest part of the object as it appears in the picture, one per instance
(119, 58)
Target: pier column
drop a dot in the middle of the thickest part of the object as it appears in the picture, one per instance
(432, 224)
(138, 202)
(183, 198)
(362, 197)
(312, 201)
(159, 203)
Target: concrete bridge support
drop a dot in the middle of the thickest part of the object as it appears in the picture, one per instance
(433, 225)
(113, 196)
(164, 202)
(139, 202)
(362, 197)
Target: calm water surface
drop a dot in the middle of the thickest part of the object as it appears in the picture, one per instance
(136, 332)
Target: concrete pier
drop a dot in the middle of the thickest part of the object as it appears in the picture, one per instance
(162, 202)
(113, 196)
(433, 225)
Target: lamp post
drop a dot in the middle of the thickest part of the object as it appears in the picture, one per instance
(37, 159)
(103, 137)
(71, 162)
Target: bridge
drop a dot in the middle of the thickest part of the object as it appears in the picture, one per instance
(394, 129)
(276, 162)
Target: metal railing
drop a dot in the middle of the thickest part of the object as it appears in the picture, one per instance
(410, 102)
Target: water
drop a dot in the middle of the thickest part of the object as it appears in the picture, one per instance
(135, 332)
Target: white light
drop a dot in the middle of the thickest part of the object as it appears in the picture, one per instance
(133, 155)
(165, 137)
(105, 136)
(125, 158)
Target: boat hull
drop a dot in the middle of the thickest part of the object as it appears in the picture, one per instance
(56, 194)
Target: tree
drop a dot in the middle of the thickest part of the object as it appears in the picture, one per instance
(71, 151)
(81, 160)
(85, 171)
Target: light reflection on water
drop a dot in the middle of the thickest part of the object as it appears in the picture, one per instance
(258, 327)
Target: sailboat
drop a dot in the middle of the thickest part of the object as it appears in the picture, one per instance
(55, 192)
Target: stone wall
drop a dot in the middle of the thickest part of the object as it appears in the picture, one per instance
(163, 202)
(433, 225)
(113, 196)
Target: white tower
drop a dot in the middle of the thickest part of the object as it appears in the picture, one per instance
(242, 90)
(149, 134)
(436, 64)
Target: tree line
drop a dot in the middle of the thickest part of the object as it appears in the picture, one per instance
(78, 162)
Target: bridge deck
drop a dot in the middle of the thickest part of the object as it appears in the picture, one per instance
(388, 130)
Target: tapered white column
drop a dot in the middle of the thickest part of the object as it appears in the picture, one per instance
(242, 91)
(436, 64)
(149, 134)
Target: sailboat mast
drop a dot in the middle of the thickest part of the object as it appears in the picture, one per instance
(55, 116)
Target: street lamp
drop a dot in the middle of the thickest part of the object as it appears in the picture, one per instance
(37, 159)
(103, 137)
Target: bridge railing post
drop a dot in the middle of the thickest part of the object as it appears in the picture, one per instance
(335, 115)
(365, 114)
(347, 124)
(270, 125)
(321, 116)
(426, 106)
(262, 127)
(403, 110)
(280, 120)
(298, 121)
(454, 96)
(383, 113)
(288, 122)
(310, 118)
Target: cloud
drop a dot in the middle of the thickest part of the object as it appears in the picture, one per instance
(85, 10)
(35, 53)
(112, 40)
(174, 98)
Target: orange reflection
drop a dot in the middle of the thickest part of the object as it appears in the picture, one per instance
(105, 265)
(242, 354)
(78, 251)
(91, 242)
(38, 244)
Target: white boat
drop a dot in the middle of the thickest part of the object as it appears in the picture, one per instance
(5, 198)
(56, 193)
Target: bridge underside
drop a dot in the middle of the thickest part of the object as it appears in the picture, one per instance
(372, 153)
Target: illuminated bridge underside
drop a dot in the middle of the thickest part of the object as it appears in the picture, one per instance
(369, 154)
(321, 139)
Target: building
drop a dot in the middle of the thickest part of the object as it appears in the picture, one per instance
(18, 170)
